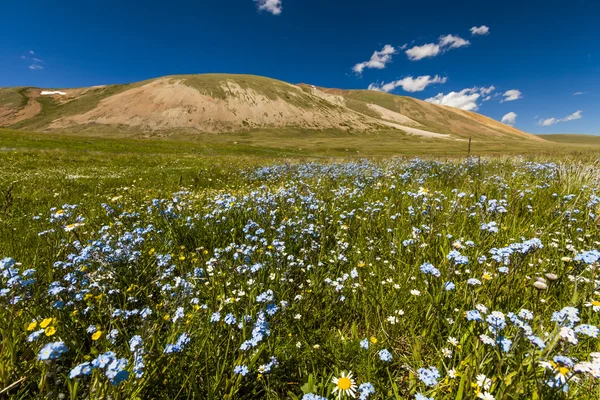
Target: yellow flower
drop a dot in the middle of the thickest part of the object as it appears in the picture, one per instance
(373, 339)
(152, 250)
(361, 264)
(166, 317)
(487, 276)
(32, 326)
(181, 257)
(97, 335)
(50, 331)
(46, 322)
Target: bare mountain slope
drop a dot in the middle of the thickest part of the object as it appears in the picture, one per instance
(230, 103)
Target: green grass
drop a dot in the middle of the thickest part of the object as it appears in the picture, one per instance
(573, 139)
(325, 211)
(340, 243)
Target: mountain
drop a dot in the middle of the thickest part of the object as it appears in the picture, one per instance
(233, 103)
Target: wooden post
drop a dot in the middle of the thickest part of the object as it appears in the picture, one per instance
(469, 155)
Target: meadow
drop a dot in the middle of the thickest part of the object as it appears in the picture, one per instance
(157, 269)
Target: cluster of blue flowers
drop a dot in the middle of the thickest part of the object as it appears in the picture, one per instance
(114, 368)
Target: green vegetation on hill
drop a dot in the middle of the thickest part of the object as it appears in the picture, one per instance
(53, 109)
(216, 86)
(431, 117)
(13, 98)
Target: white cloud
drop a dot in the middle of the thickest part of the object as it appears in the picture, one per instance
(466, 99)
(378, 60)
(579, 93)
(511, 95)
(510, 118)
(419, 52)
(35, 62)
(273, 6)
(409, 84)
(575, 115)
(428, 50)
(453, 42)
(487, 91)
(480, 30)
(553, 121)
(548, 121)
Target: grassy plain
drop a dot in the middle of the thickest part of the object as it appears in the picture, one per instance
(256, 265)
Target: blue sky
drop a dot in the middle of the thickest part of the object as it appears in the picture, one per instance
(545, 50)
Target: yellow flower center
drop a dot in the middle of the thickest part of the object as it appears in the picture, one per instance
(563, 370)
(344, 383)
(595, 303)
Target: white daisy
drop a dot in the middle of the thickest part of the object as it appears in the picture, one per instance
(344, 385)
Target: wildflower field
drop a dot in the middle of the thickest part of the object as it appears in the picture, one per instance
(385, 279)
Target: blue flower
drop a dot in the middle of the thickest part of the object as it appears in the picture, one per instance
(588, 257)
(52, 351)
(116, 372)
(474, 315)
(84, 369)
(311, 396)
(385, 355)
(419, 396)
(265, 297)
(230, 319)
(182, 341)
(429, 376)
(365, 389)
(587, 330)
(216, 317)
(458, 258)
(135, 342)
(364, 344)
(429, 269)
(240, 370)
(33, 336)
(103, 360)
(179, 313)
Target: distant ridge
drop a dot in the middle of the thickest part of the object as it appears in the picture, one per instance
(219, 103)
